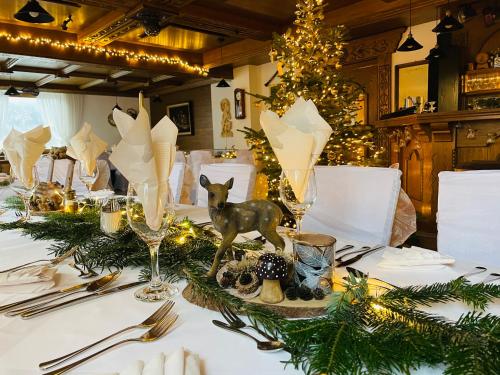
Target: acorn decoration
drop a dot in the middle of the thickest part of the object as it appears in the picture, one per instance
(271, 268)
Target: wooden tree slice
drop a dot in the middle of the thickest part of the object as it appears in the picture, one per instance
(287, 308)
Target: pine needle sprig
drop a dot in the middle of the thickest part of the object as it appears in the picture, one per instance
(476, 295)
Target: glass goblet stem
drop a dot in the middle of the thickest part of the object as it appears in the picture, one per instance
(27, 211)
(298, 224)
(155, 282)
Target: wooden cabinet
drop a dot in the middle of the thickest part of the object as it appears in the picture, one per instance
(426, 144)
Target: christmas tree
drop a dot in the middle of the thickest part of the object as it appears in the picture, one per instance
(309, 62)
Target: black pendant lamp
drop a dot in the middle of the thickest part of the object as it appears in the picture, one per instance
(116, 105)
(448, 24)
(410, 44)
(436, 52)
(33, 12)
(223, 83)
(12, 91)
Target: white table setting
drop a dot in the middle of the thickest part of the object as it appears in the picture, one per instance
(99, 267)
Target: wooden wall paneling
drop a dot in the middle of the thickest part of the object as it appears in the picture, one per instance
(202, 116)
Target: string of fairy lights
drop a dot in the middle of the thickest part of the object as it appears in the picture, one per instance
(107, 51)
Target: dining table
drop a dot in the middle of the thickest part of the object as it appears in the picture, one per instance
(26, 343)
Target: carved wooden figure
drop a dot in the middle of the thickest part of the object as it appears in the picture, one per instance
(233, 218)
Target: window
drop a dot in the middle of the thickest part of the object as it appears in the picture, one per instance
(22, 114)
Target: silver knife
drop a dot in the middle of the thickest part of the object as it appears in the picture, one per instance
(75, 301)
(45, 296)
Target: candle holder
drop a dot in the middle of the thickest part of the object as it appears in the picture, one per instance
(111, 216)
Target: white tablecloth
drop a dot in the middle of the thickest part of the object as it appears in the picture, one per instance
(25, 343)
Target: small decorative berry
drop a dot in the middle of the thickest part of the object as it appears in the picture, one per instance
(318, 294)
(291, 293)
(226, 282)
(245, 278)
(305, 293)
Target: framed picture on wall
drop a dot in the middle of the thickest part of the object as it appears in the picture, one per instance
(182, 116)
(411, 82)
(239, 104)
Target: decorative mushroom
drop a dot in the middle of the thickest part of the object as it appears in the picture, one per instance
(271, 268)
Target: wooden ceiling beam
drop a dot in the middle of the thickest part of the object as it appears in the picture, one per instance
(71, 89)
(159, 86)
(217, 17)
(95, 82)
(10, 63)
(60, 73)
(24, 47)
(365, 13)
(79, 74)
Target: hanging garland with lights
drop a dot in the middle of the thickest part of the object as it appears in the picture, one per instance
(107, 51)
(360, 334)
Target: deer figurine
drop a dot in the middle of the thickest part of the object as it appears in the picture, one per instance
(233, 218)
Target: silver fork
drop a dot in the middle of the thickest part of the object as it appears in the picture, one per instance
(154, 333)
(475, 271)
(235, 322)
(360, 250)
(156, 317)
(52, 262)
(491, 277)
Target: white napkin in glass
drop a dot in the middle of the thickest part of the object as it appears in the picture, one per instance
(24, 149)
(297, 139)
(30, 279)
(413, 257)
(145, 157)
(86, 146)
(179, 362)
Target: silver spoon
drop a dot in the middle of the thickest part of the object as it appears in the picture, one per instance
(261, 345)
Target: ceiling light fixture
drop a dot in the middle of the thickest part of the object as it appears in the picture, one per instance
(223, 83)
(12, 91)
(436, 52)
(448, 24)
(33, 12)
(410, 44)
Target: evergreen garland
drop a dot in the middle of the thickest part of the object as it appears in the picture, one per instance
(360, 334)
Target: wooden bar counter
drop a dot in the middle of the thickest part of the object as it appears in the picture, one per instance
(428, 143)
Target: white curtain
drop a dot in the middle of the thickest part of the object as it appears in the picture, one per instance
(63, 113)
(4, 103)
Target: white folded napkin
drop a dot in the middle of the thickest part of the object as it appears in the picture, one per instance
(179, 362)
(413, 257)
(31, 279)
(297, 139)
(145, 157)
(24, 149)
(86, 146)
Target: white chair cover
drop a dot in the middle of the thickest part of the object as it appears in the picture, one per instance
(194, 161)
(355, 203)
(176, 179)
(244, 181)
(468, 218)
(180, 157)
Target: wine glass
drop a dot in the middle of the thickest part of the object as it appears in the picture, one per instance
(297, 190)
(25, 188)
(4, 187)
(151, 228)
(88, 178)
